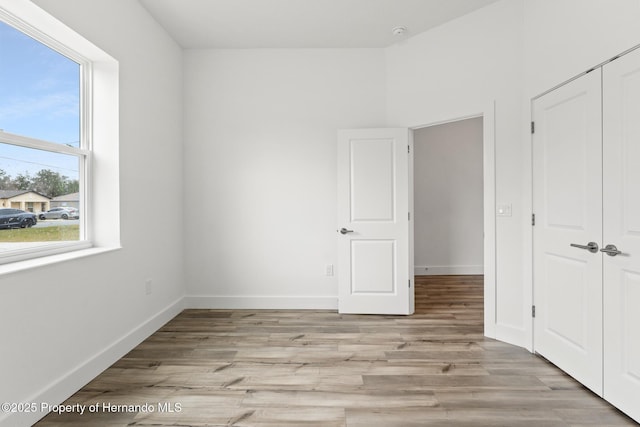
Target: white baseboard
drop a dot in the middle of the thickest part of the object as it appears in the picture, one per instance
(260, 302)
(444, 270)
(69, 383)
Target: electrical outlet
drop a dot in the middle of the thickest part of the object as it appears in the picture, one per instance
(328, 270)
(148, 286)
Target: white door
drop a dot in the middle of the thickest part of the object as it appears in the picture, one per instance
(375, 269)
(621, 104)
(567, 193)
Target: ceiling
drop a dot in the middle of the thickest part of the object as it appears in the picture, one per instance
(237, 24)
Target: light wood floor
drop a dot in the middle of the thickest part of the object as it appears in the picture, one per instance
(320, 368)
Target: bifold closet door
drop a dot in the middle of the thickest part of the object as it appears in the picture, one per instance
(567, 193)
(621, 284)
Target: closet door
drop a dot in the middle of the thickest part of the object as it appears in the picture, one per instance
(567, 168)
(621, 284)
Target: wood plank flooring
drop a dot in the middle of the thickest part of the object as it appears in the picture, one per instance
(320, 368)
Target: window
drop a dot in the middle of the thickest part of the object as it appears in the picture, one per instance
(59, 138)
(45, 144)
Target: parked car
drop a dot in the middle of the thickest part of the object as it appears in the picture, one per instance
(75, 213)
(16, 218)
(56, 213)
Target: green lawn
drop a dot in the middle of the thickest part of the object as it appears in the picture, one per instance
(44, 234)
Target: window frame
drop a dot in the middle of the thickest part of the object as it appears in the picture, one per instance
(50, 34)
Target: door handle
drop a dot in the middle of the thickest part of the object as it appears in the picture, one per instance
(344, 231)
(591, 247)
(611, 250)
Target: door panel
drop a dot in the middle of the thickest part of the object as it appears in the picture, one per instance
(567, 151)
(372, 172)
(374, 267)
(621, 284)
(380, 280)
(567, 278)
(566, 189)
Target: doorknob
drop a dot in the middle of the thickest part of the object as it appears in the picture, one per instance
(344, 231)
(611, 250)
(591, 247)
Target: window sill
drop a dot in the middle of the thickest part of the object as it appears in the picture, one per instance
(48, 258)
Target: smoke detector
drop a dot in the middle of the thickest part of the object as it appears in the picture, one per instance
(399, 31)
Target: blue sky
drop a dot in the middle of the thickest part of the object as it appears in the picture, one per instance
(39, 98)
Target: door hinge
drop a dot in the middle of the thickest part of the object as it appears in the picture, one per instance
(533, 127)
(409, 282)
(408, 149)
(533, 311)
(409, 216)
(533, 219)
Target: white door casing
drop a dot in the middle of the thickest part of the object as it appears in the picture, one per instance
(567, 198)
(375, 265)
(621, 209)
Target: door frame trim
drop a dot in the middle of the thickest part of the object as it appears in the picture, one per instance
(489, 195)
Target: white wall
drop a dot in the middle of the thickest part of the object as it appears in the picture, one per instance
(260, 135)
(455, 71)
(65, 323)
(567, 37)
(448, 198)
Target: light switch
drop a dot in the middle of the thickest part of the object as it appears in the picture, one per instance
(503, 210)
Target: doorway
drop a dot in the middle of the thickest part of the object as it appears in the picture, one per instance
(375, 193)
(449, 212)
